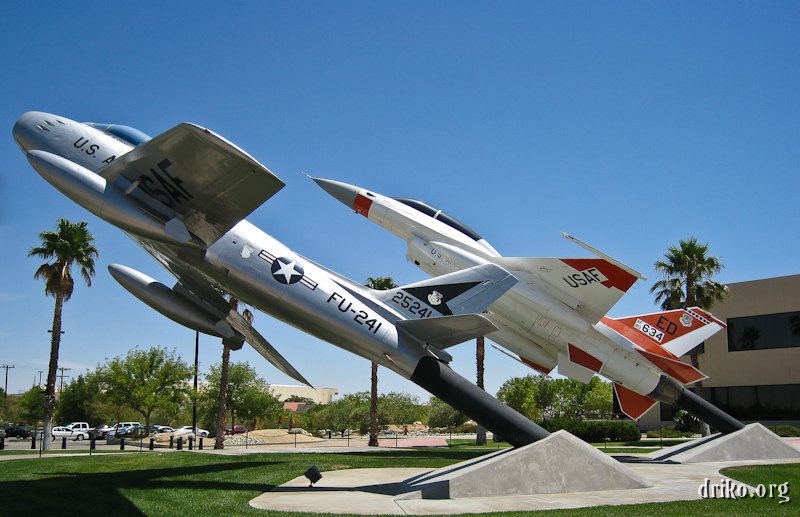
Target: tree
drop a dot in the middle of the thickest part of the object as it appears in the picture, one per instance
(687, 273)
(248, 396)
(147, 380)
(381, 283)
(399, 409)
(298, 398)
(441, 414)
(71, 244)
(32, 405)
(349, 412)
(540, 397)
(480, 356)
(77, 402)
(519, 393)
(219, 440)
(10, 410)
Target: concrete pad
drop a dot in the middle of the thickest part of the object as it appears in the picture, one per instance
(376, 491)
(754, 442)
(556, 464)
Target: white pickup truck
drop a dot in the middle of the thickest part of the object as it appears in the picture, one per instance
(75, 431)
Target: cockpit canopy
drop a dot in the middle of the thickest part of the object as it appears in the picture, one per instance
(440, 216)
(127, 134)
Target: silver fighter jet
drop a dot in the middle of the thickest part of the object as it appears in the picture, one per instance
(183, 196)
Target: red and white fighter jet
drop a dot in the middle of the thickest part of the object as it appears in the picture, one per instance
(556, 314)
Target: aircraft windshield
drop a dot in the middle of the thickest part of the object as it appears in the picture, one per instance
(441, 216)
(126, 133)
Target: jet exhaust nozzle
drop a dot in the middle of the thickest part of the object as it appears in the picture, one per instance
(672, 392)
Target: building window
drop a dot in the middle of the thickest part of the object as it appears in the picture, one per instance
(763, 332)
(770, 402)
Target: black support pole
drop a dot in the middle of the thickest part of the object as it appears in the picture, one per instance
(440, 380)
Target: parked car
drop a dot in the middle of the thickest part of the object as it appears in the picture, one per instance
(18, 431)
(74, 431)
(164, 429)
(187, 429)
(237, 429)
(132, 432)
(119, 426)
(100, 431)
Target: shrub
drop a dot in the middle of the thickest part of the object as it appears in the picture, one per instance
(669, 432)
(595, 431)
(787, 430)
(685, 421)
(466, 427)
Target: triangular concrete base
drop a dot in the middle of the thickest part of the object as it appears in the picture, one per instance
(556, 464)
(754, 442)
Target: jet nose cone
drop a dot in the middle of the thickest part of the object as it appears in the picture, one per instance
(28, 130)
(342, 191)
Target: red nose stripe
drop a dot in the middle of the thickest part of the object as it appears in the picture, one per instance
(362, 205)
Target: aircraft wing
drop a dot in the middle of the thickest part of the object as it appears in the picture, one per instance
(591, 286)
(192, 178)
(263, 347)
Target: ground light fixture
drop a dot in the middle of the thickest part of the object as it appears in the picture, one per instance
(313, 474)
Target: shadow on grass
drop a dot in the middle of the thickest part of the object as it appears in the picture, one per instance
(81, 493)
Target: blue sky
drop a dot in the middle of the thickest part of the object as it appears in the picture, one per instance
(630, 125)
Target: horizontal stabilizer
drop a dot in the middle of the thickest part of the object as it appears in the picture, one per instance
(468, 291)
(591, 286)
(631, 403)
(686, 373)
(445, 331)
(263, 347)
(194, 179)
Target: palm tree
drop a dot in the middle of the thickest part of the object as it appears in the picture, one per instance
(71, 244)
(382, 283)
(686, 281)
(219, 441)
(480, 355)
(687, 273)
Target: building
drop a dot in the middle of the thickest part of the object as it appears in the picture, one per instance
(317, 395)
(754, 365)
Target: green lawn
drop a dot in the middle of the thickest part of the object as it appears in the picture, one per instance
(194, 485)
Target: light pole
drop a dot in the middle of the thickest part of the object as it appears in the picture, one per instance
(7, 367)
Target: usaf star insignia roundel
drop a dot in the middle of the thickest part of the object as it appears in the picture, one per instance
(286, 270)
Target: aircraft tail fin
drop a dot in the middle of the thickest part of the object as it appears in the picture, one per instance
(469, 291)
(663, 337)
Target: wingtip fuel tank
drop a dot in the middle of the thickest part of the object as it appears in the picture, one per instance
(168, 302)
